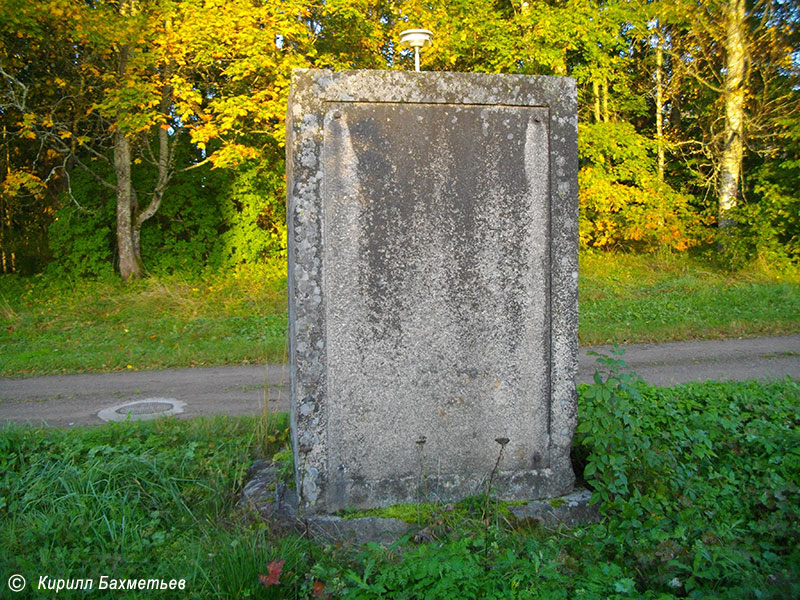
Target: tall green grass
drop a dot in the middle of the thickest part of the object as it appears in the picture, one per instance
(129, 500)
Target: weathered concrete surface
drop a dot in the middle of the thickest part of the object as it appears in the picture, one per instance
(276, 503)
(357, 531)
(433, 284)
(570, 510)
(265, 493)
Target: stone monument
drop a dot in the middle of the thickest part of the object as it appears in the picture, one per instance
(433, 265)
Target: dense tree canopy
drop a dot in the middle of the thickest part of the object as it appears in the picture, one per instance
(116, 113)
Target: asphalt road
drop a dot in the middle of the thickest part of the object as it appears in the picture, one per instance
(66, 400)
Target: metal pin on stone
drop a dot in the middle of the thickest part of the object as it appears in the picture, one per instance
(416, 39)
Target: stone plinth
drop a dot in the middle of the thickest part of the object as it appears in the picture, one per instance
(433, 264)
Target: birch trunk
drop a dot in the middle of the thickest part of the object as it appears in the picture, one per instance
(732, 151)
(661, 160)
(596, 95)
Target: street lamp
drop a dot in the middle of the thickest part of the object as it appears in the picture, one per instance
(416, 39)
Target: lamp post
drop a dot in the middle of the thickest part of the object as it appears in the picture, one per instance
(416, 39)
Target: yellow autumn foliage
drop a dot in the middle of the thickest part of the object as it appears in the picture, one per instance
(622, 216)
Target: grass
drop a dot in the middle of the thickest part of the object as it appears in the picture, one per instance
(631, 298)
(64, 326)
(699, 496)
(131, 500)
(49, 326)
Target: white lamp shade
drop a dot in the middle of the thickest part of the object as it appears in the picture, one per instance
(416, 38)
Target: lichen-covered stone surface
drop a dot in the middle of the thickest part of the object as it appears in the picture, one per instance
(570, 510)
(433, 232)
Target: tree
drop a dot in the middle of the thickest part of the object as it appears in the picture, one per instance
(29, 175)
(102, 105)
(700, 92)
(137, 72)
(730, 163)
(735, 62)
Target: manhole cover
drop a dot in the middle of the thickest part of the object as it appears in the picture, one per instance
(142, 410)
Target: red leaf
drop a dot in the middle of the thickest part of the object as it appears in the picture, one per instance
(274, 569)
(318, 590)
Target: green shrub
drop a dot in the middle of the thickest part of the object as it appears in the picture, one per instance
(767, 222)
(699, 483)
(622, 204)
(209, 220)
(180, 236)
(253, 214)
(698, 487)
(81, 236)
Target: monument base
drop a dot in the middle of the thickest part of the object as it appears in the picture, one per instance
(277, 503)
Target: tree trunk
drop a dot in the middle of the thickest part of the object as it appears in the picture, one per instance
(164, 167)
(661, 159)
(5, 266)
(130, 259)
(3, 217)
(596, 96)
(130, 264)
(732, 151)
